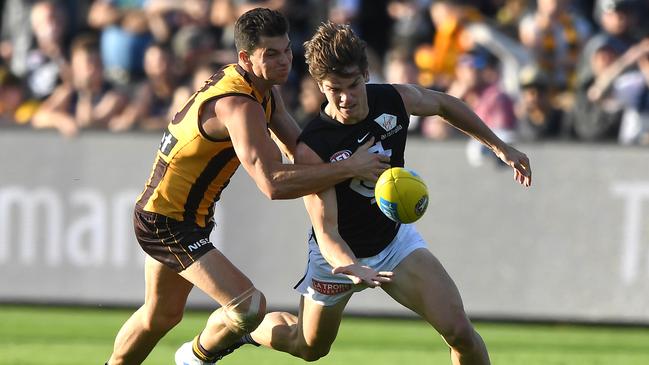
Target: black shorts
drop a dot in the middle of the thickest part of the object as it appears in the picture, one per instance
(175, 244)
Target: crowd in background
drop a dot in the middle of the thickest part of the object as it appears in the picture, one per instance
(533, 70)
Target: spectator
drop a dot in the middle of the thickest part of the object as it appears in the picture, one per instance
(369, 18)
(555, 35)
(437, 62)
(410, 24)
(477, 83)
(192, 47)
(400, 69)
(510, 14)
(47, 65)
(303, 16)
(149, 109)
(617, 19)
(15, 108)
(124, 37)
(88, 101)
(537, 118)
(597, 117)
(626, 81)
(201, 75)
(166, 17)
(310, 99)
(16, 35)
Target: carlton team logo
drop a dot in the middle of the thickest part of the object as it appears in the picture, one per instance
(330, 288)
(340, 155)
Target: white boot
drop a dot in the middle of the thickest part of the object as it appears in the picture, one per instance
(185, 355)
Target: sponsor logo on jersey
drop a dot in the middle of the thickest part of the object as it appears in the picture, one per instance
(386, 121)
(394, 131)
(340, 155)
(167, 143)
(360, 140)
(330, 288)
(198, 244)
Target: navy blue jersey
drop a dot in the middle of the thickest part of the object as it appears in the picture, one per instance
(361, 224)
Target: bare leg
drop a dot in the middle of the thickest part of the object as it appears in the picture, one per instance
(308, 336)
(214, 274)
(165, 297)
(421, 284)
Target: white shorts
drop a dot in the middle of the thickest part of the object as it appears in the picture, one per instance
(325, 288)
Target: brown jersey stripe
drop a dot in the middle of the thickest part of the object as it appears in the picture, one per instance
(218, 196)
(209, 82)
(202, 183)
(210, 210)
(158, 172)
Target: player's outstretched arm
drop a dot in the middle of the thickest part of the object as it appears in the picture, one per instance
(260, 157)
(424, 102)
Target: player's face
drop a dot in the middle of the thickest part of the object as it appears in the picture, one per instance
(346, 97)
(272, 59)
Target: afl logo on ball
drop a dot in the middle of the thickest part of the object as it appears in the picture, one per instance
(421, 205)
(340, 155)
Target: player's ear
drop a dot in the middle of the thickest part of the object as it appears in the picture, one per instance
(366, 75)
(244, 57)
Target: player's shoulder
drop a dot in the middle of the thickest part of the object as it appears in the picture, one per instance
(382, 92)
(314, 125)
(380, 88)
(382, 96)
(229, 80)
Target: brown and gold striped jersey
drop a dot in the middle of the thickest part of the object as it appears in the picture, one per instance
(191, 169)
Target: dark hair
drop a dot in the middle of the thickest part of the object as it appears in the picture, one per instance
(333, 49)
(85, 42)
(256, 23)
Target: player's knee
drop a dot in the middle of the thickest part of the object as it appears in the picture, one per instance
(162, 321)
(461, 335)
(313, 353)
(244, 313)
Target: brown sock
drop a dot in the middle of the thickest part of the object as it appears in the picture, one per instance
(200, 352)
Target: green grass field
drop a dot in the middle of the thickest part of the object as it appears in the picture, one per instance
(79, 336)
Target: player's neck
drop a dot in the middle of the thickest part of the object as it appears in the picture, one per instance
(338, 116)
(261, 85)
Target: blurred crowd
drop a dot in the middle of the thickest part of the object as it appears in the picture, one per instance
(533, 70)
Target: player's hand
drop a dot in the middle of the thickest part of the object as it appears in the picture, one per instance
(360, 274)
(519, 162)
(366, 165)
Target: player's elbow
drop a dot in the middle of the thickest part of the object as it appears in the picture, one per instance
(273, 189)
(279, 191)
(313, 353)
(271, 193)
(279, 186)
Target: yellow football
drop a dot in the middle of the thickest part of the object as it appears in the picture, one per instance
(401, 195)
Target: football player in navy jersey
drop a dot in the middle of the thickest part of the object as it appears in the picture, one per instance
(352, 245)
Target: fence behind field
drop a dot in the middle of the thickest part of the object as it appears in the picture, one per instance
(573, 247)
